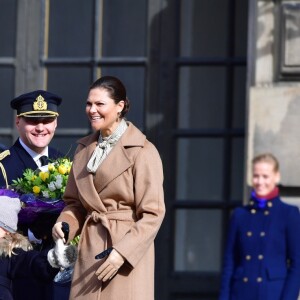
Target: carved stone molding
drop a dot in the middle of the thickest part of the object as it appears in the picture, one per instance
(289, 40)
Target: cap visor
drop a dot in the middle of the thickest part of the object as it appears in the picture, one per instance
(39, 115)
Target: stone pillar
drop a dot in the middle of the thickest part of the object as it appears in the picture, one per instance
(274, 90)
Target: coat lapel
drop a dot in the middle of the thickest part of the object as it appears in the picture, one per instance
(85, 179)
(114, 164)
(118, 160)
(24, 156)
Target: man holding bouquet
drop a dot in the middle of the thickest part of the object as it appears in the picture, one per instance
(36, 122)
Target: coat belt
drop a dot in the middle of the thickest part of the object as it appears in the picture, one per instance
(104, 217)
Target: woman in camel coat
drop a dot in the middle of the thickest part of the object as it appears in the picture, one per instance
(114, 198)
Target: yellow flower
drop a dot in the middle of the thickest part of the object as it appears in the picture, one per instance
(44, 175)
(51, 168)
(33, 178)
(62, 169)
(36, 189)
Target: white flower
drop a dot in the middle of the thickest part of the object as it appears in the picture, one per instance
(59, 182)
(52, 186)
(46, 194)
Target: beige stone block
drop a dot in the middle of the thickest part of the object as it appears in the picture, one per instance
(274, 126)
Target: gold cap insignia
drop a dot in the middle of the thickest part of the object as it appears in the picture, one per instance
(40, 103)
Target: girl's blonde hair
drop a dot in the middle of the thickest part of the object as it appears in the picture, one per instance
(266, 157)
(14, 241)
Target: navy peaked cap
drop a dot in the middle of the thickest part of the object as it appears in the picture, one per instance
(36, 104)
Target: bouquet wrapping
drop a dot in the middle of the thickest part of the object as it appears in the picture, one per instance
(34, 206)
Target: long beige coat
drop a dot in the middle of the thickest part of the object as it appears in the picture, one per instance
(122, 205)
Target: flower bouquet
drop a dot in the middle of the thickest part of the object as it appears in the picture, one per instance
(41, 190)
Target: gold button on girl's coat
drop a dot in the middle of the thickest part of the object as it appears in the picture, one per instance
(249, 233)
(266, 213)
(245, 279)
(253, 211)
(259, 279)
(262, 234)
(260, 257)
(248, 257)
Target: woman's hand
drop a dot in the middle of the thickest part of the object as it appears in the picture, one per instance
(111, 266)
(57, 232)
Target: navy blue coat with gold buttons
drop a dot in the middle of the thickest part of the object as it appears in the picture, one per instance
(262, 255)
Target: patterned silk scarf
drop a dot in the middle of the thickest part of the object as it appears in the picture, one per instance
(104, 147)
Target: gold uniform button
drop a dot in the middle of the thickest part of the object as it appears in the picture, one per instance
(266, 213)
(260, 257)
(245, 279)
(270, 204)
(248, 257)
(262, 234)
(249, 233)
(252, 203)
(253, 211)
(259, 279)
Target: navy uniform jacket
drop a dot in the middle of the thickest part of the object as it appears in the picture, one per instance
(19, 160)
(262, 255)
(15, 164)
(20, 266)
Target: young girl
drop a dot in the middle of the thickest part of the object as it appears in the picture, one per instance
(17, 259)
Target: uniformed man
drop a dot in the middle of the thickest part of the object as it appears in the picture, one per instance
(36, 122)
